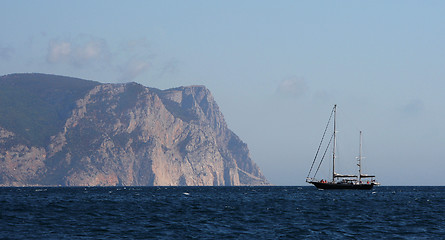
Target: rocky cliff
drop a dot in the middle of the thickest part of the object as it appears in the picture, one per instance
(63, 131)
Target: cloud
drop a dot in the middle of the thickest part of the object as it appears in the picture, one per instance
(6, 53)
(58, 52)
(91, 51)
(135, 59)
(133, 68)
(88, 53)
(293, 86)
(169, 68)
(412, 108)
(136, 44)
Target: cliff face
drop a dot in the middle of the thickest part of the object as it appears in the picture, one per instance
(124, 134)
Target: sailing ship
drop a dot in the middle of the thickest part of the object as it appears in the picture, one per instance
(340, 181)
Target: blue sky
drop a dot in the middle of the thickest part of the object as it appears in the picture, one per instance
(275, 68)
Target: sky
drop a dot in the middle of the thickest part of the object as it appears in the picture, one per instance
(275, 68)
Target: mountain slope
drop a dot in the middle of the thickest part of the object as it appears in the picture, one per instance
(83, 133)
(35, 106)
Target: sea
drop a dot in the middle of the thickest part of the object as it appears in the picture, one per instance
(270, 212)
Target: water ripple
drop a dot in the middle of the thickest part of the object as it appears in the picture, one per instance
(221, 212)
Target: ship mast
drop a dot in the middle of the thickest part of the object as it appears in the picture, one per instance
(335, 142)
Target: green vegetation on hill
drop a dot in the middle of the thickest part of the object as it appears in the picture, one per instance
(35, 106)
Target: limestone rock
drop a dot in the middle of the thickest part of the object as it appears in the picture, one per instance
(123, 134)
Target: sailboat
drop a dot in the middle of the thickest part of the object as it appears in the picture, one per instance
(340, 181)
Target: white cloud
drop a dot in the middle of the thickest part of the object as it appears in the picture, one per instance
(88, 53)
(293, 86)
(133, 68)
(59, 51)
(136, 45)
(93, 51)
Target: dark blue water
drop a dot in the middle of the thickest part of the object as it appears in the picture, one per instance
(222, 212)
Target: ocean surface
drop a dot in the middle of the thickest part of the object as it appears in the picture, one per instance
(221, 213)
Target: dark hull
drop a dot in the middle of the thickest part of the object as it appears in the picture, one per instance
(361, 186)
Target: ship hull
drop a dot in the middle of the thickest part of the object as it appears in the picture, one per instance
(328, 186)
